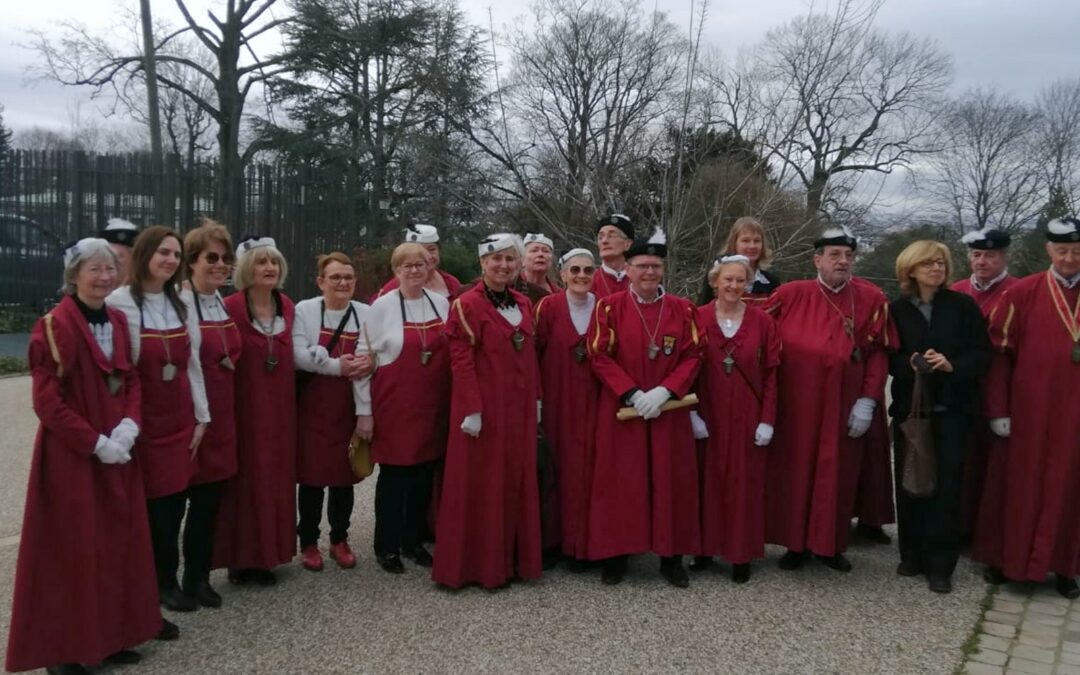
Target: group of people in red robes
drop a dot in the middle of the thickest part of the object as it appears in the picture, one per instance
(525, 419)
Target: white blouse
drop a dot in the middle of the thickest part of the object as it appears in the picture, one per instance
(159, 314)
(309, 356)
(386, 329)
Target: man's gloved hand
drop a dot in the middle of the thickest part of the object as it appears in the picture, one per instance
(862, 414)
(763, 435)
(698, 425)
(1001, 426)
(471, 425)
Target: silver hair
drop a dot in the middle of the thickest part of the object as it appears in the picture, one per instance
(83, 251)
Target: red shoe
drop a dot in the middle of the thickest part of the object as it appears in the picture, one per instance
(341, 553)
(311, 558)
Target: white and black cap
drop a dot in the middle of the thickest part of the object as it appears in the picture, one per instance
(1064, 230)
(501, 241)
(422, 234)
(573, 253)
(252, 242)
(987, 239)
(120, 231)
(837, 236)
(536, 238)
(655, 245)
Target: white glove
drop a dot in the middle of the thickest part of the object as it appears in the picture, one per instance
(642, 406)
(319, 354)
(763, 435)
(698, 425)
(1001, 426)
(110, 452)
(862, 414)
(471, 425)
(539, 406)
(656, 397)
(125, 433)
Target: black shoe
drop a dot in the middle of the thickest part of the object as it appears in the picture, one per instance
(940, 584)
(672, 569)
(837, 562)
(793, 560)
(994, 575)
(613, 571)
(391, 563)
(550, 557)
(204, 594)
(700, 563)
(68, 669)
(906, 568)
(263, 577)
(169, 631)
(872, 534)
(577, 565)
(124, 657)
(740, 573)
(1067, 587)
(175, 600)
(241, 577)
(420, 556)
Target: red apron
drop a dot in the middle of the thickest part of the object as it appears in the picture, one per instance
(411, 402)
(326, 418)
(216, 459)
(168, 413)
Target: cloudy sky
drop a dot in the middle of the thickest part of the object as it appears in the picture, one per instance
(1016, 45)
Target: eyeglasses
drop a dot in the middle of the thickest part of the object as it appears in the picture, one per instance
(578, 269)
(609, 236)
(213, 258)
(648, 267)
(413, 267)
(933, 263)
(338, 279)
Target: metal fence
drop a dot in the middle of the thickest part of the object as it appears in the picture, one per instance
(50, 198)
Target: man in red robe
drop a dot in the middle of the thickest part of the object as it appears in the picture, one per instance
(614, 235)
(832, 378)
(644, 346)
(1033, 399)
(990, 278)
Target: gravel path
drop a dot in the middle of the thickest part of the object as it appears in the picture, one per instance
(814, 620)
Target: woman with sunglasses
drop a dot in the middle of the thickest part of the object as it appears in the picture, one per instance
(209, 252)
(571, 389)
(256, 528)
(734, 421)
(334, 401)
(165, 345)
(411, 401)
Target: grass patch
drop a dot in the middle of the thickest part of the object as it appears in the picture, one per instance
(13, 365)
(17, 319)
(971, 645)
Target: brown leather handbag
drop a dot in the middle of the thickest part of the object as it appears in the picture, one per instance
(920, 459)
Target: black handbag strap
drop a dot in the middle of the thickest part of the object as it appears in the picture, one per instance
(341, 326)
(920, 407)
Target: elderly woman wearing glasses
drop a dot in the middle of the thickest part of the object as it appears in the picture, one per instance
(562, 321)
(411, 401)
(257, 525)
(85, 500)
(334, 401)
(737, 390)
(488, 530)
(943, 340)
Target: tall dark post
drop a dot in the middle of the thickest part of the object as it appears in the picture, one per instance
(153, 108)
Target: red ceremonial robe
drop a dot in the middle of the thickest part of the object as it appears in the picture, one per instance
(216, 458)
(569, 420)
(604, 284)
(1029, 522)
(732, 405)
(814, 466)
(326, 419)
(257, 521)
(453, 284)
(489, 515)
(644, 494)
(986, 445)
(85, 585)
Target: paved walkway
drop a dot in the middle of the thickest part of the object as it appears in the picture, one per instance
(811, 621)
(1028, 630)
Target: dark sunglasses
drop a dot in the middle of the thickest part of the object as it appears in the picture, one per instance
(212, 257)
(577, 269)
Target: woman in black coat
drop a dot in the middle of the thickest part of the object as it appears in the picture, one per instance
(942, 336)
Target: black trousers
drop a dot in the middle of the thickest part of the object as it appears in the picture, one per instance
(203, 501)
(339, 508)
(165, 514)
(930, 528)
(401, 503)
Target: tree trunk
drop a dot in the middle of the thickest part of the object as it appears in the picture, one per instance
(157, 166)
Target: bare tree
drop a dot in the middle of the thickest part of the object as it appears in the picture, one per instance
(1059, 107)
(989, 171)
(844, 98)
(82, 58)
